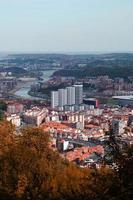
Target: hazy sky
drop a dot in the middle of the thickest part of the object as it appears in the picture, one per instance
(66, 25)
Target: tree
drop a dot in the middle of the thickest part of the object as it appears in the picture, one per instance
(121, 159)
(30, 170)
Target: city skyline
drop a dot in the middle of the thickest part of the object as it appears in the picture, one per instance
(66, 26)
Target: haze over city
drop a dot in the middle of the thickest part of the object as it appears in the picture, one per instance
(66, 26)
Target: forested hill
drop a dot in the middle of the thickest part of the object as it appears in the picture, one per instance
(15, 70)
(112, 72)
(114, 65)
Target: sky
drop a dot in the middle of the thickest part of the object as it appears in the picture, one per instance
(66, 26)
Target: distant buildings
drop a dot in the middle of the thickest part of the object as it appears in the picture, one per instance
(76, 117)
(15, 108)
(7, 84)
(118, 126)
(14, 119)
(35, 116)
(124, 100)
(69, 96)
(91, 101)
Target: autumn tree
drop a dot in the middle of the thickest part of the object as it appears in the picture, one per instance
(121, 159)
(31, 170)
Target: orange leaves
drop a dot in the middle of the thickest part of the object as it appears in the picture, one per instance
(21, 185)
(6, 136)
(29, 169)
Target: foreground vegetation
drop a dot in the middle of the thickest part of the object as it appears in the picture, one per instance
(31, 170)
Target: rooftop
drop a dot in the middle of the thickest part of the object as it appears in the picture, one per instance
(129, 97)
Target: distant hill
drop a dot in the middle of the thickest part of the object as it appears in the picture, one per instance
(15, 70)
(115, 66)
(112, 72)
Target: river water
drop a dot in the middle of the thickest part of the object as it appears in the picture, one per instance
(23, 92)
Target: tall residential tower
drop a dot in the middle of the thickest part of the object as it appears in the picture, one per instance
(62, 97)
(70, 95)
(54, 99)
(78, 94)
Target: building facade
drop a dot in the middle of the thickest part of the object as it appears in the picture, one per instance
(69, 96)
(62, 97)
(78, 94)
(35, 116)
(54, 99)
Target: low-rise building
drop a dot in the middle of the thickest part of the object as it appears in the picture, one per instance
(15, 108)
(35, 116)
(14, 119)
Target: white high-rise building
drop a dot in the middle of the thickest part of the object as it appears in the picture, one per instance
(62, 97)
(54, 99)
(78, 94)
(70, 95)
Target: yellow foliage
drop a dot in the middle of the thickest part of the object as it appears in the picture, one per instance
(30, 170)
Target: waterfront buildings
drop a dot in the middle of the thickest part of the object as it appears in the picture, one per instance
(6, 85)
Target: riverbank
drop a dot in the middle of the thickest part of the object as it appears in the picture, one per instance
(38, 95)
(23, 89)
(20, 85)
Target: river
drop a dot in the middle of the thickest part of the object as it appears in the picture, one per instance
(23, 92)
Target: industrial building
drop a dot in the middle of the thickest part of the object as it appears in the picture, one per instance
(124, 100)
(91, 101)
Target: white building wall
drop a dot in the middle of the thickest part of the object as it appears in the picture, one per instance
(70, 95)
(54, 99)
(62, 97)
(78, 94)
